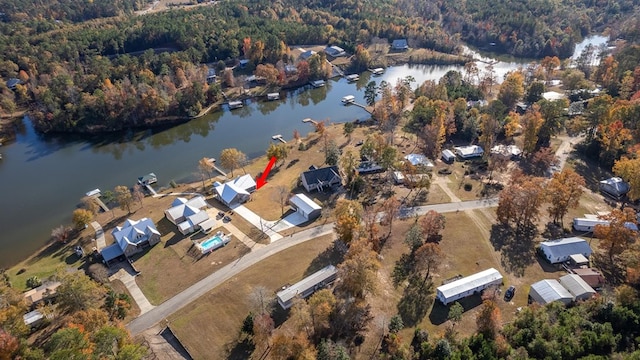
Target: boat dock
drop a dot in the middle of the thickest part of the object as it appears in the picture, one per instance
(377, 71)
(95, 195)
(235, 105)
(150, 189)
(273, 96)
(279, 137)
(309, 120)
(212, 161)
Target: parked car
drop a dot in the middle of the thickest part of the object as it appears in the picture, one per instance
(511, 291)
(227, 218)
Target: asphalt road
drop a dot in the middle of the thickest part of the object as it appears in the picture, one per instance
(205, 285)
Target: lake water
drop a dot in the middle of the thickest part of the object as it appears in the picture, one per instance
(43, 177)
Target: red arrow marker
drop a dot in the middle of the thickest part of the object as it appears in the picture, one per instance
(263, 178)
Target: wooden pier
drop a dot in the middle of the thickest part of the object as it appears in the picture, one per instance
(309, 120)
(212, 161)
(279, 137)
(150, 189)
(100, 203)
(360, 105)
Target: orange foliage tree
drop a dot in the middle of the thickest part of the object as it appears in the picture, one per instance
(617, 236)
(563, 192)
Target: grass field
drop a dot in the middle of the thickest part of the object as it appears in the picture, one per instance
(210, 325)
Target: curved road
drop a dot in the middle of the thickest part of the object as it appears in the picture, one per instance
(203, 286)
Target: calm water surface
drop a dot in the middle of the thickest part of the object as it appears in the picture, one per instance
(42, 178)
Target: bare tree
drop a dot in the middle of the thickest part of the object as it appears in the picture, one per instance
(282, 195)
(206, 168)
(137, 194)
(261, 300)
(61, 234)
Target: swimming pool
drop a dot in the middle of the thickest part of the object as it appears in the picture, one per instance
(213, 243)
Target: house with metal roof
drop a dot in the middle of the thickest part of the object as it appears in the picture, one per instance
(236, 191)
(448, 156)
(307, 54)
(320, 179)
(577, 287)
(307, 286)
(335, 51)
(419, 160)
(468, 152)
(467, 286)
(131, 238)
(305, 206)
(549, 290)
(400, 45)
(560, 250)
(588, 224)
(614, 187)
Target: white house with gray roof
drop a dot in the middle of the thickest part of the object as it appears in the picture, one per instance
(132, 237)
(560, 250)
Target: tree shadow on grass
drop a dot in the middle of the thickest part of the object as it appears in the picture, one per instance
(332, 255)
(414, 304)
(240, 350)
(440, 312)
(515, 245)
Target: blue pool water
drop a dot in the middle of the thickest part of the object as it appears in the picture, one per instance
(209, 243)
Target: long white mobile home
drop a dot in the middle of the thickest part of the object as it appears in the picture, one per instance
(560, 250)
(307, 286)
(587, 224)
(468, 286)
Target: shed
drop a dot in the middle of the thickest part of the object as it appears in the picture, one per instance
(547, 291)
(472, 284)
(448, 156)
(578, 288)
(398, 177)
(558, 251)
(41, 293)
(591, 276)
(305, 206)
(334, 51)
(307, 286)
(578, 260)
(33, 318)
(148, 179)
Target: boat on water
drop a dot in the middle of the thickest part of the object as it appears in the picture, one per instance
(235, 104)
(377, 71)
(352, 77)
(273, 96)
(317, 83)
(349, 99)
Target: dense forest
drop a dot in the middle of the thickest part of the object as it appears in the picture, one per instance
(531, 28)
(98, 67)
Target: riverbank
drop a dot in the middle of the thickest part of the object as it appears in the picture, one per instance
(9, 126)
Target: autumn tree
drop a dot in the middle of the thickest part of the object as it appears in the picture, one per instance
(428, 257)
(520, 201)
(542, 160)
(432, 223)
(263, 326)
(512, 89)
(321, 305)
(205, 165)
(628, 168)
(232, 159)
(78, 292)
(359, 270)
(279, 151)
(348, 215)
(489, 128)
(617, 236)
(8, 345)
(390, 210)
(489, 319)
(81, 217)
(268, 72)
(550, 64)
(563, 192)
(123, 197)
(531, 123)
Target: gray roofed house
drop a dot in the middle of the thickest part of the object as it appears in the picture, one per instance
(419, 160)
(467, 152)
(334, 51)
(236, 191)
(135, 235)
(577, 287)
(560, 250)
(307, 286)
(12, 83)
(320, 179)
(182, 208)
(547, 291)
(400, 45)
(307, 54)
(615, 187)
